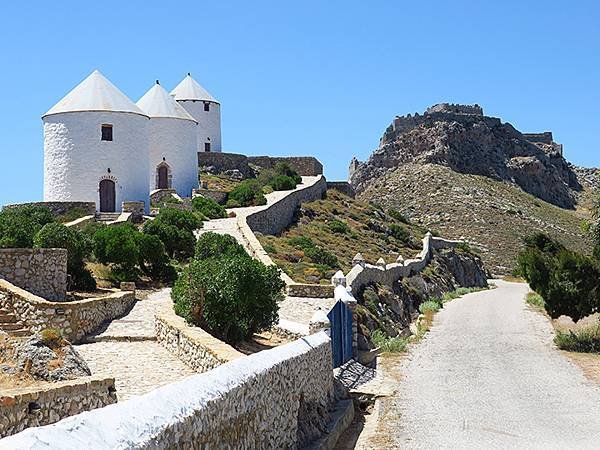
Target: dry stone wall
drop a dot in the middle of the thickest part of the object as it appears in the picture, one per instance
(194, 346)
(278, 398)
(75, 319)
(306, 166)
(59, 208)
(42, 271)
(36, 406)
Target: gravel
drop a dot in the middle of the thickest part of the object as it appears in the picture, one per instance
(488, 376)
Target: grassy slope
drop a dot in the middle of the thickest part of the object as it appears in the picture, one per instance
(313, 223)
(219, 182)
(492, 215)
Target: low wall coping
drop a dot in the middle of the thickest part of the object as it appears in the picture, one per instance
(30, 393)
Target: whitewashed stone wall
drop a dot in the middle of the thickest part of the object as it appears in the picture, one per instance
(41, 271)
(274, 399)
(194, 346)
(209, 123)
(173, 142)
(36, 406)
(76, 159)
(75, 319)
(362, 274)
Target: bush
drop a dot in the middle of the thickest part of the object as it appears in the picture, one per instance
(282, 183)
(208, 207)
(389, 344)
(429, 306)
(319, 255)
(286, 170)
(18, 226)
(52, 337)
(585, 341)
(78, 246)
(301, 242)
(535, 300)
(338, 226)
(247, 193)
(175, 228)
(72, 214)
(233, 297)
(153, 259)
(395, 214)
(214, 245)
(400, 233)
(118, 245)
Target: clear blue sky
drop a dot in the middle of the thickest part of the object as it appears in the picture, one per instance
(306, 77)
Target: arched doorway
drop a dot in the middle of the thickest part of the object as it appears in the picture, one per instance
(163, 177)
(107, 196)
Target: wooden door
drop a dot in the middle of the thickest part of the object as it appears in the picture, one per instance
(163, 177)
(107, 196)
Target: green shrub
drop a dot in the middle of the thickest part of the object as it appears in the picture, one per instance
(78, 246)
(175, 229)
(400, 233)
(389, 344)
(395, 214)
(535, 300)
(584, 341)
(214, 245)
(269, 248)
(18, 226)
(286, 170)
(72, 214)
(153, 259)
(232, 297)
(247, 193)
(338, 226)
(118, 246)
(464, 247)
(429, 306)
(301, 242)
(282, 183)
(52, 337)
(208, 207)
(319, 255)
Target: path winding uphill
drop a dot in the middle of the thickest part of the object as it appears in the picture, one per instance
(488, 376)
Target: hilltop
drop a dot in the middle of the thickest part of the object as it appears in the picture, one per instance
(473, 177)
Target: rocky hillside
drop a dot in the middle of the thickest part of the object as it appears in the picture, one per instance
(473, 177)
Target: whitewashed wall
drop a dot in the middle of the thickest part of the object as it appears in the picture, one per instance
(209, 123)
(76, 159)
(175, 141)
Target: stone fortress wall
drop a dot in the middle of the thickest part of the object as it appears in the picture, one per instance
(278, 398)
(455, 109)
(36, 406)
(75, 319)
(41, 271)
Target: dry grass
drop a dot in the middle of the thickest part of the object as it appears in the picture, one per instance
(588, 362)
(219, 182)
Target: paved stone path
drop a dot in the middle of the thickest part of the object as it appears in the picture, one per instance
(127, 350)
(488, 376)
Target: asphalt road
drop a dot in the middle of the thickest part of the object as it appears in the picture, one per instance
(488, 376)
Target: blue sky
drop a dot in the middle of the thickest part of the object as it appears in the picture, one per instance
(307, 77)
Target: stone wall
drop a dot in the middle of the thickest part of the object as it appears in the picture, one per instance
(194, 346)
(75, 319)
(59, 208)
(363, 274)
(310, 290)
(278, 398)
(343, 186)
(278, 216)
(306, 166)
(456, 109)
(218, 196)
(36, 406)
(545, 137)
(41, 271)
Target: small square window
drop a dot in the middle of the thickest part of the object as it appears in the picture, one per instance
(206, 106)
(107, 134)
(207, 146)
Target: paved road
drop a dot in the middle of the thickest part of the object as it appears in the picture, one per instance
(487, 376)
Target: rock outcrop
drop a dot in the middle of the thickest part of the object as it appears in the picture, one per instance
(473, 144)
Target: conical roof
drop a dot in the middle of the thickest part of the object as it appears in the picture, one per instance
(158, 103)
(189, 89)
(95, 93)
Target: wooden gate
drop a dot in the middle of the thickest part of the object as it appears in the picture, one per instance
(107, 196)
(340, 318)
(163, 177)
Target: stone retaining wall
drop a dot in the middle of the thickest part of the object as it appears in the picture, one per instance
(278, 398)
(59, 208)
(36, 406)
(75, 319)
(306, 166)
(195, 347)
(343, 186)
(42, 271)
(363, 274)
(310, 290)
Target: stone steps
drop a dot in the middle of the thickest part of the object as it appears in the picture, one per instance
(107, 216)
(11, 325)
